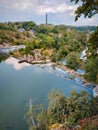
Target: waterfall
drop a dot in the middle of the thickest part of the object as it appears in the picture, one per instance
(83, 54)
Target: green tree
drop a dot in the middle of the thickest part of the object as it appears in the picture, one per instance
(56, 107)
(73, 61)
(43, 120)
(61, 109)
(88, 8)
(3, 57)
(62, 53)
(91, 66)
(93, 45)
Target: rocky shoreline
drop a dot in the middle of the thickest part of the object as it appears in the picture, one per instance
(72, 72)
(84, 82)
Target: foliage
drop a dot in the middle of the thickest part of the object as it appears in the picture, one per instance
(65, 110)
(93, 45)
(91, 68)
(91, 65)
(88, 8)
(73, 61)
(29, 25)
(89, 123)
(85, 28)
(12, 37)
(3, 57)
(62, 53)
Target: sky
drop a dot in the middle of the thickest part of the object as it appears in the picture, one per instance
(59, 12)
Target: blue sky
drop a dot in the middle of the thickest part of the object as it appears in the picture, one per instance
(59, 12)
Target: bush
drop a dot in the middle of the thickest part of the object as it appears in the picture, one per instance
(73, 61)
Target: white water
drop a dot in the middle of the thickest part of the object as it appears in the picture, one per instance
(12, 48)
(83, 54)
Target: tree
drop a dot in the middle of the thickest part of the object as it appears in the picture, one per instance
(91, 66)
(73, 61)
(56, 107)
(62, 110)
(62, 53)
(93, 45)
(3, 57)
(88, 8)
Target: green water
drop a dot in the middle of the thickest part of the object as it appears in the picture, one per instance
(20, 82)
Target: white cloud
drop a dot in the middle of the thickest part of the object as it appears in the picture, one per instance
(20, 6)
(40, 7)
(56, 8)
(15, 63)
(88, 21)
(61, 11)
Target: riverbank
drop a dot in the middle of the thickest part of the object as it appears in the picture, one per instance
(72, 72)
(84, 82)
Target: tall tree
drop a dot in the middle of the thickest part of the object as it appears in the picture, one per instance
(88, 8)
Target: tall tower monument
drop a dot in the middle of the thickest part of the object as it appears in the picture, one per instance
(46, 19)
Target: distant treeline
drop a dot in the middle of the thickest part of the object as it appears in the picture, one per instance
(28, 25)
(17, 25)
(85, 28)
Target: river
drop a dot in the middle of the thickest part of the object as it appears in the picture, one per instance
(21, 82)
(11, 49)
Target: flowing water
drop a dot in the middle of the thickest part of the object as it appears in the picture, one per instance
(21, 82)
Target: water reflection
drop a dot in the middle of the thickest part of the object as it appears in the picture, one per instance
(3, 57)
(16, 65)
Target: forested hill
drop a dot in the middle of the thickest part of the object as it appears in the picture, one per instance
(17, 25)
(27, 25)
(85, 28)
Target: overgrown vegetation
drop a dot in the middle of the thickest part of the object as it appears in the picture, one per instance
(3, 57)
(68, 111)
